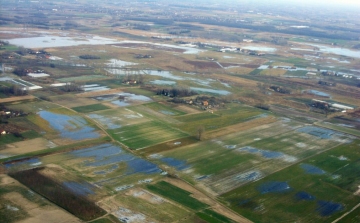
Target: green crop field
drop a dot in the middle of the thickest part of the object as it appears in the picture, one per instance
(177, 194)
(318, 196)
(166, 110)
(145, 134)
(257, 152)
(299, 73)
(213, 217)
(90, 108)
(233, 115)
(32, 106)
(339, 128)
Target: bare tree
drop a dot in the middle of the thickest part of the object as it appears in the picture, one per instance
(200, 133)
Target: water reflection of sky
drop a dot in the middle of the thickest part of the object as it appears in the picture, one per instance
(71, 127)
(108, 154)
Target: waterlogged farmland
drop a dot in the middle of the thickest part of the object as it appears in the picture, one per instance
(69, 127)
(106, 165)
(304, 187)
(243, 157)
(129, 112)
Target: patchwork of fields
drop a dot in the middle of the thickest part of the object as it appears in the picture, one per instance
(262, 162)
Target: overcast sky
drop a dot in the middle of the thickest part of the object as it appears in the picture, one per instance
(325, 2)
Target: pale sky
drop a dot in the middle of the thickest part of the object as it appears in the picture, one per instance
(342, 2)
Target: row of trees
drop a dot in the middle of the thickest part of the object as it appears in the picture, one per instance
(12, 90)
(176, 92)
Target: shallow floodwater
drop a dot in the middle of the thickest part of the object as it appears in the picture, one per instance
(162, 82)
(107, 154)
(213, 91)
(310, 169)
(119, 63)
(71, 127)
(178, 164)
(318, 93)
(260, 48)
(59, 41)
(274, 187)
(336, 50)
(268, 154)
(187, 49)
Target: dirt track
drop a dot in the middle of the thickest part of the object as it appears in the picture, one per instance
(215, 205)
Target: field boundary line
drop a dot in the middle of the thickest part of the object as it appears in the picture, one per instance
(93, 121)
(245, 220)
(344, 215)
(333, 129)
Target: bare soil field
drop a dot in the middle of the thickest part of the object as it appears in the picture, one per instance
(240, 127)
(27, 146)
(17, 98)
(36, 212)
(72, 100)
(203, 64)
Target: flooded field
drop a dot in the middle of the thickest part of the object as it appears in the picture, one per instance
(123, 99)
(238, 152)
(59, 41)
(70, 127)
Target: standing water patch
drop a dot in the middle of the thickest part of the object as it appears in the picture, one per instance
(327, 208)
(178, 164)
(302, 195)
(316, 131)
(268, 154)
(108, 154)
(274, 187)
(249, 176)
(25, 163)
(71, 127)
(310, 169)
(82, 189)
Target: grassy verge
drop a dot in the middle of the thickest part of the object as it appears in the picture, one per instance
(177, 194)
(213, 217)
(90, 108)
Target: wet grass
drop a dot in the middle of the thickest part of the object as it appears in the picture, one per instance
(167, 110)
(274, 147)
(145, 134)
(233, 115)
(177, 194)
(351, 131)
(166, 146)
(213, 217)
(336, 186)
(90, 108)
